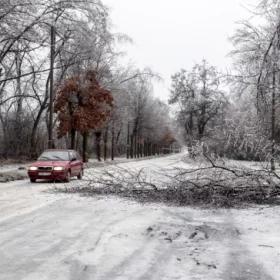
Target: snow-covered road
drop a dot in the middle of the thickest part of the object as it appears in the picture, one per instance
(46, 235)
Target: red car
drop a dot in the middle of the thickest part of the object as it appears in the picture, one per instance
(56, 165)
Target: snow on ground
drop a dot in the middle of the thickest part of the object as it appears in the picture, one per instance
(4, 167)
(45, 235)
(260, 229)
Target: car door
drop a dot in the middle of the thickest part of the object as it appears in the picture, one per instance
(74, 164)
(80, 162)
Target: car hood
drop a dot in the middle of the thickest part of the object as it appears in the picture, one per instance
(50, 163)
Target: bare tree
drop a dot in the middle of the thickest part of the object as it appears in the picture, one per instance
(199, 98)
(257, 67)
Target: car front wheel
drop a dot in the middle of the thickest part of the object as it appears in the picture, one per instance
(68, 177)
(32, 180)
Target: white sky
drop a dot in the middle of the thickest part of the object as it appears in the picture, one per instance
(170, 35)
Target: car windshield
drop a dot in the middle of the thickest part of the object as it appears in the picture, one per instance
(54, 156)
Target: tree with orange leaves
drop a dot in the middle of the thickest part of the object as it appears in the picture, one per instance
(82, 104)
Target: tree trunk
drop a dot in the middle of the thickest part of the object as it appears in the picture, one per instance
(105, 143)
(127, 142)
(138, 146)
(201, 123)
(19, 112)
(33, 150)
(191, 123)
(135, 146)
(43, 107)
(51, 92)
(84, 151)
(73, 136)
(272, 161)
(113, 142)
(146, 149)
(97, 145)
(131, 146)
(5, 136)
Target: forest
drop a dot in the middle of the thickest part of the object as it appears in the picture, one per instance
(62, 85)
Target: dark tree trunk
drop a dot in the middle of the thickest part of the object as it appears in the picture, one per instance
(105, 143)
(113, 142)
(135, 146)
(97, 145)
(190, 124)
(84, 151)
(138, 146)
(131, 146)
(127, 142)
(202, 123)
(145, 148)
(272, 162)
(33, 150)
(73, 136)
(5, 138)
(18, 123)
(51, 91)
(43, 107)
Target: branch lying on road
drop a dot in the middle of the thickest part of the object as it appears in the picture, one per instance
(213, 184)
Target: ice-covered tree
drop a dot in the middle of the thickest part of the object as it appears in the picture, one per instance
(199, 98)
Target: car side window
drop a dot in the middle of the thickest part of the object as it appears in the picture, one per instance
(72, 156)
(78, 156)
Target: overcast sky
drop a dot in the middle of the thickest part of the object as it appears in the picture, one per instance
(170, 35)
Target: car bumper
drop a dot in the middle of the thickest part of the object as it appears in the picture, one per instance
(52, 175)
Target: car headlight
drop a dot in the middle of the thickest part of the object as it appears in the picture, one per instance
(58, 168)
(33, 168)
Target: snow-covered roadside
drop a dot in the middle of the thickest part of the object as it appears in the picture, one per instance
(14, 172)
(12, 167)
